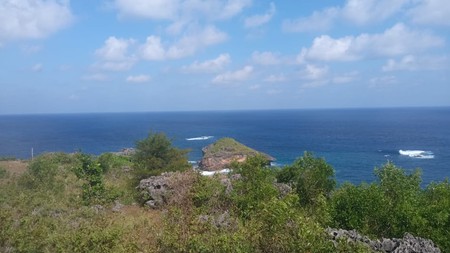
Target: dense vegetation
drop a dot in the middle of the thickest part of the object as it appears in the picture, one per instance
(82, 203)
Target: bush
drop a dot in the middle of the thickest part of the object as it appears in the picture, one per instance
(387, 208)
(155, 155)
(254, 187)
(435, 209)
(94, 190)
(311, 177)
(109, 161)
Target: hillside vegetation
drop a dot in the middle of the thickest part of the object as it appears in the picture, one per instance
(83, 203)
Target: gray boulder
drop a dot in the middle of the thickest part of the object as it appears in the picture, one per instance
(407, 244)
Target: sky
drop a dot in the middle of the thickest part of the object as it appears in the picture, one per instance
(62, 56)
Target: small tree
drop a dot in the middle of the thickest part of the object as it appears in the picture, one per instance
(312, 178)
(155, 154)
(92, 173)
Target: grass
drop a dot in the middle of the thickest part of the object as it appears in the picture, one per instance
(229, 146)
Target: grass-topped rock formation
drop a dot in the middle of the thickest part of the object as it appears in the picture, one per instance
(225, 151)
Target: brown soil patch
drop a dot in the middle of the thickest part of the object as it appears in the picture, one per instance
(15, 168)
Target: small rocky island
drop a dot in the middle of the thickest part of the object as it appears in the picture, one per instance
(222, 153)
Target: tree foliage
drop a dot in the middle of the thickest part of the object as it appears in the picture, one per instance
(311, 177)
(155, 154)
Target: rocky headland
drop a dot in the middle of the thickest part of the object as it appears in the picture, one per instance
(222, 153)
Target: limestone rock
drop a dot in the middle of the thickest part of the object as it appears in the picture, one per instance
(407, 244)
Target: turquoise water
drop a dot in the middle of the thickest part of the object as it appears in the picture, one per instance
(354, 141)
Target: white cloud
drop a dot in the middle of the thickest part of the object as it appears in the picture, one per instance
(398, 40)
(326, 48)
(38, 67)
(318, 21)
(138, 79)
(258, 20)
(275, 78)
(412, 63)
(176, 10)
(229, 8)
(434, 12)
(213, 65)
(312, 72)
(189, 44)
(368, 11)
(114, 49)
(32, 19)
(359, 12)
(114, 55)
(152, 9)
(152, 49)
(266, 58)
(236, 76)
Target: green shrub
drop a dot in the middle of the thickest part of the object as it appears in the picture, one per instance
(310, 176)
(155, 154)
(94, 190)
(109, 161)
(435, 210)
(254, 187)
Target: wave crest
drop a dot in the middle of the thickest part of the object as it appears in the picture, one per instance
(417, 154)
(200, 138)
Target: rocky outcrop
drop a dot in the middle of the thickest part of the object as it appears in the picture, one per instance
(158, 191)
(407, 244)
(222, 153)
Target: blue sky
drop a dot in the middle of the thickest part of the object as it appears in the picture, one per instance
(61, 56)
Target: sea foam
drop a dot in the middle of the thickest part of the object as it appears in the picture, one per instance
(421, 154)
(201, 138)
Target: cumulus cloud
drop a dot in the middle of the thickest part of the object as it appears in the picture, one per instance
(266, 58)
(313, 72)
(398, 40)
(153, 49)
(359, 12)
(114, 54)
(236, 76)
(367, 11)
(115, 49)
(176, 10)
(213, 65)
(154, 9)
(318, 21)
(192, 42)
(412, 63)
(138, 79)
(33, 19)
(433, 12)
(258, 20)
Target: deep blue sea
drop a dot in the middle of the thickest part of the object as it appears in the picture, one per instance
(353, 141)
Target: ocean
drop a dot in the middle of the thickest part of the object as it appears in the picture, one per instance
(353, 141)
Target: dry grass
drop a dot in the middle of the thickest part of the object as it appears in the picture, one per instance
(15, 168)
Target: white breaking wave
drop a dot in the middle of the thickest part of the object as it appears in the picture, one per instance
(417, 154)
(201, 138)
(212, 173)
